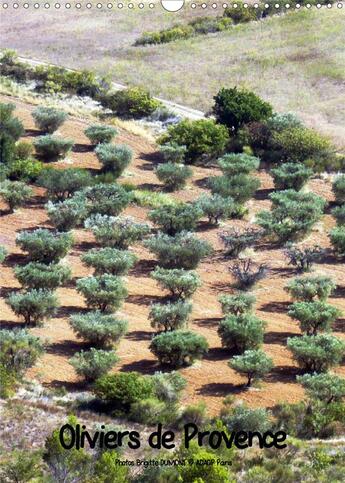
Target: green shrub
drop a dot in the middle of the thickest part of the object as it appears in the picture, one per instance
(181, 283)
(252, 363)
(14, 193)
(241, 332)
(105, 292)
(247, 273)
(337, 237)
(19, 350)
(316, 353)
(38, 275)
(303, 258)
(24, 169)
(279, 122)
(235, 107)
(68, 214)
(339, 214)
(24, 150)
(242, 14)
(164, 36)
(94, 363)
(109, 260)
(240, 187)
(52, 148)
(133, 102)
(174, 176)
(178, 348)
(183, 250)
(11, 130)
(106, 199)
(43, 245)
(117, 232)
(33, 306)
(292, 216)
(176, 218)
(216, 208)
(338, 187)
(242, 418)
(309, 288)
(291, 176)
(63, 183)
(3, 254)
(170, 316)
(114, 158)
(236, 241)
(327, 388)
(123, 389)
(98, 329)
(238, 163)
(168, 386)
(48, 119)
(173, 153)
(149, 411)
(238, 304)
(99, 134)
(204, 139)
(314, 316)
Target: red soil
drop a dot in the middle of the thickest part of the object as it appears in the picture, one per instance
(211, 379)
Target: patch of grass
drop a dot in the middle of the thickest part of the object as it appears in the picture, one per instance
(149, 199)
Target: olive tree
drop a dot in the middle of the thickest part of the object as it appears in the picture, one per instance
(236, 240)
(39, 275)
(34, 306)
(19, 350)
(94, 363)
(48, 119)
(303, 257)
(114, 158)
(109, 260)
(241, 332)
(63, 183)
(337, 237)
(247, 273)
(43, 245)
(252, 363)
(68, 214)
(14, 193)
(237, 304)
(51, 147)
(314, 316)
(323, 387)
(217, 208)
(99, 134)
(180, 282)
(106, 199)
(172, 219)
(105, 292)
(170, 316)
(311, 288)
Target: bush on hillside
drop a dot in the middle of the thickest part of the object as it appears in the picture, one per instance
(43, 245)
(68, 214)
(11, 130)
(316, 353)
(116, 231)
(280, 121)
(303, 258)
(314, 317)
(178, 348)
(42, 276)
(106, 199)
(309, 288)
(337, 237)
(238, 304)
(34, 306)
(236, 240)
(48, 119)
(173, 219)
(183, 250)
(94, 363)
(291, 176)
(254, 364)
(242, 418)
(134, 102)
(168, 386)
(242, 14)
(25, 170)
(63, 183)
(3, 254)
(173, 152)
(105, 292)
(247, 273)
(240, 187)
(19, 350)
(151, 411)
(339, 214)
(174, 176)
(238, 163)
(180, 282)
(23, 150)
(99, 329)
(14, 194)
(327, 388)
(338, 187)
(114, 158)
(216, 208)
(204, 139)
(241, 332)
(109, 260)
(170, 316)
(99, 134)
(52, 148)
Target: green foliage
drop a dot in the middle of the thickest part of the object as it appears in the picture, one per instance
(43, 245)
(194, 413)
(242, 418)
(176, 218)
(314, 316)
(134, 102)
(38, 275)
(24, 169)
(238, 304)
(52, 148)
(106, 199)
(149, 411)
(236, 240)
(23, 150)
(117, 232)
(292, 216)
(48, 119)
(316, 353)
(240, 187)
(19, 350)
(235, 107)
(241, 332)
(173, 153)
(108, 470)
(3, 254)
(178, 348)
(63, 183)
(303, 258)
(34, 306)
(170, 316)
(174, 176)
(68, 214)
(94, 363)
(242, 14)
(327, 388)
(114, 158)
(280, 121)
(309, 288)
(216, 208)
(98, 133)
(123, 389)
(98, 329)
(11, 130)
(238, 163)
(183, 250)
(247, 273)
(338, 187)
(22, 466)
(337, 236)
(14, 193)
(339, 214)
(291, 176)
(109, 260)
(105, 292)
(181, 283)
(168, 386)
(254, 364)
(204, 139)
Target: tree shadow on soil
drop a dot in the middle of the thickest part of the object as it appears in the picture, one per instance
(219, 389)
(144, 366)
(275, 307)
(211, 322)
(278, 338)
(139, 335)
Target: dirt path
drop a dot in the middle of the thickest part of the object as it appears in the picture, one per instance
(211, 379)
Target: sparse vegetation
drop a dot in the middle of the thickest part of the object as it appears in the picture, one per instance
(236, 241)
(247, 273)
(303, 257)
